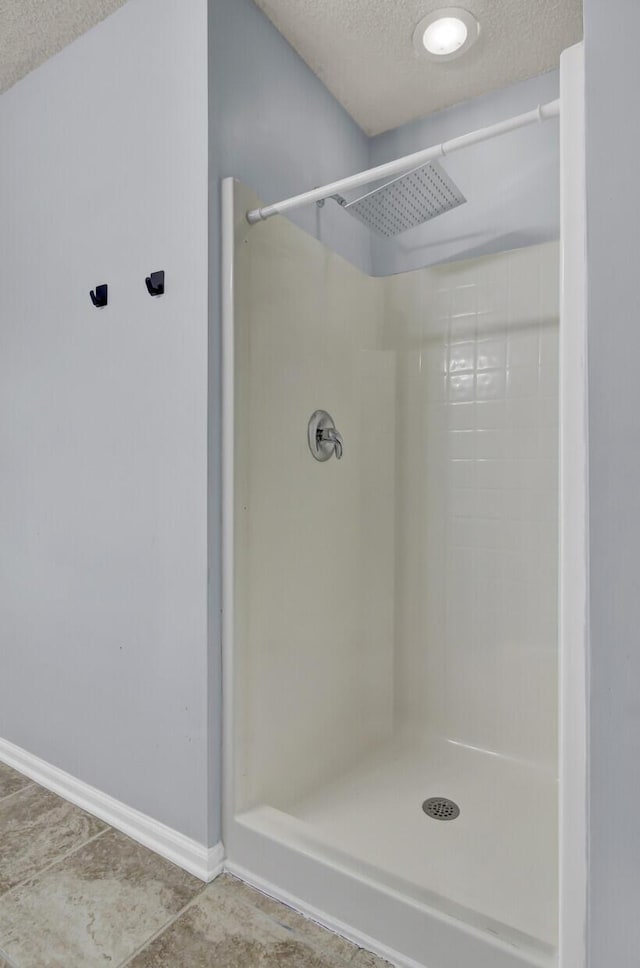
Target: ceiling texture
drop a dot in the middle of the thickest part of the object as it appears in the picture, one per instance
(31, 31)
(363, 51)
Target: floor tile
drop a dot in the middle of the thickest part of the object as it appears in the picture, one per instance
(38, 828)
(95, 907)
(313, 933)
(364, 959)
(223, 930)
(11, 781)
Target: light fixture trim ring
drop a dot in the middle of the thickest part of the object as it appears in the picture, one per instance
(444, 13)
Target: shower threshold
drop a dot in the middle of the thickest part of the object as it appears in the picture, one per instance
(492, 869)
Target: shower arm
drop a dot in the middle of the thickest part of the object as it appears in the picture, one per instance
(400, 166)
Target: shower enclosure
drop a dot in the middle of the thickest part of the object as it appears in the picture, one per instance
(391, 683)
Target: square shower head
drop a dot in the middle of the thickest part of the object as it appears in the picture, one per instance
(407, 201)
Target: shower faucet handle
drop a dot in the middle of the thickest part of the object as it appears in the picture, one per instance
(324, 439)
(331, 436)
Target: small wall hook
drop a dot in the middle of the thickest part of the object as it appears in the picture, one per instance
(100, 297)
(155, 283)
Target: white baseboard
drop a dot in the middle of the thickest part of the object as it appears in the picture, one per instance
(203, 862)
(332, 924)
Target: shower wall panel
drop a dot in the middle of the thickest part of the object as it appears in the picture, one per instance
(476, 543)
(411, 585)
(315, 541)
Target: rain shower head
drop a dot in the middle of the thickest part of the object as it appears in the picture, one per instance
(407, 201)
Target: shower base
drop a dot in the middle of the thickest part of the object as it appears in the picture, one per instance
(498, 858)
(493, 868)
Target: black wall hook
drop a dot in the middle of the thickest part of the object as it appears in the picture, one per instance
(155, 283)
(100, 297)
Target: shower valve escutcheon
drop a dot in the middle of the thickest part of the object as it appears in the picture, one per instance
(324, 439)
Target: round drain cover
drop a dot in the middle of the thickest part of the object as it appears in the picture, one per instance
(440, 808)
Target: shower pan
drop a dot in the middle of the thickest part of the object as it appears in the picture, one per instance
(392, 644)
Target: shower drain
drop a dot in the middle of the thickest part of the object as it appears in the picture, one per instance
(439, 808)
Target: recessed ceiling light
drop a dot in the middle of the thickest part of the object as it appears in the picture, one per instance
(445, 34)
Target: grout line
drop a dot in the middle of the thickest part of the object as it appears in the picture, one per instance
(5, 957)
(69, 853)
(28, 784)
(315, 945)
(262, 916)
(165, 927)
(54, 863)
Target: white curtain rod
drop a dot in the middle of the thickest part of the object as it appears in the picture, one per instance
(401, 165)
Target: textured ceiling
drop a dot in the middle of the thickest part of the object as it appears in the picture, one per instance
(363, 52)
(33, 30)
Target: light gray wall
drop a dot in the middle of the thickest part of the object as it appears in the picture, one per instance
(274, 126)
(613, 211)
(511, 184)
(103, 414)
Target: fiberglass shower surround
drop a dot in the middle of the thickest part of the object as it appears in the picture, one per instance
(392, 700)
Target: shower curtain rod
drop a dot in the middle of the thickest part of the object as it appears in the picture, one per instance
(402, 165)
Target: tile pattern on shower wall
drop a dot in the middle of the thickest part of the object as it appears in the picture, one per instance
(479, 660)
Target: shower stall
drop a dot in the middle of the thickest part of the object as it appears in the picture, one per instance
(392, 530)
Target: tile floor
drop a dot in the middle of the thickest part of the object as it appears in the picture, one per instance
(75, 893)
